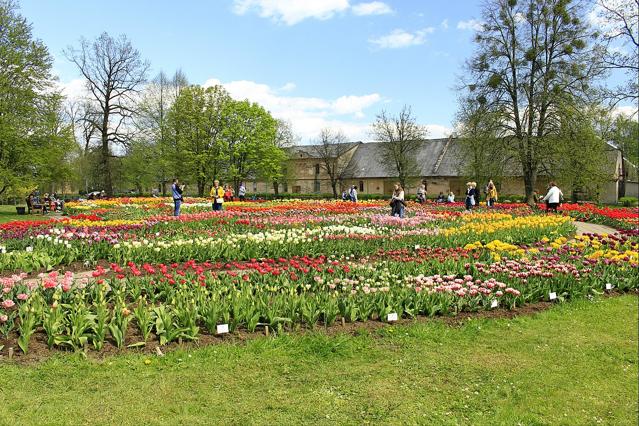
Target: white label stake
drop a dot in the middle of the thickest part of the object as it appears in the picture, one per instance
(222, 328)
(608, 286)
(392, 317)
(552, 295)
(494, 303)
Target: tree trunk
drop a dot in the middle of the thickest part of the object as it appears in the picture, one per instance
(622, 178)
(106, 165)
(163, 188)
(276, 188)
(530, 179)
(200, 187)
(334, 186)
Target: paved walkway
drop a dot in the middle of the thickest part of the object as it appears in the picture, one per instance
(592, 228)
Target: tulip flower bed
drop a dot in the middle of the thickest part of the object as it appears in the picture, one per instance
(280, 266)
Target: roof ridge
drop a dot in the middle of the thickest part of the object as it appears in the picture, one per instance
(441, 156)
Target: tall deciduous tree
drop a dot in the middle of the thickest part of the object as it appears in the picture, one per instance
(619, 23)
(331, 148)
(114, 72)
(197, 122)
(482, 154)
(32, 135)
(401, 137)
(152, 121)
(284, 138)
(532, 56)
(249, 141)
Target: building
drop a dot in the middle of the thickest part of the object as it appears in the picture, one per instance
(439, 167)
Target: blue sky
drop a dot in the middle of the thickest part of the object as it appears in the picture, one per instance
(317, 63)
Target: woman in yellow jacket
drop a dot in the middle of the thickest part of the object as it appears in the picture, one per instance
(217, 194)
(491, 194)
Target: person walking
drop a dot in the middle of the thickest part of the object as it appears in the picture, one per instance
(397, 201)
(491, 194)
(421, 194)
(177, 190)
(242, 192)
(471, 195)
(553, 198)
(217, 194)
(352, 194)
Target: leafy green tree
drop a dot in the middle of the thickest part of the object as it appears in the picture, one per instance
(531, 56)
(33, 140)
(196, 120)
(249, 134)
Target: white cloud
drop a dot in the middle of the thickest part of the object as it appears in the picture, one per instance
(401, 38)
(74, 89)
(291, 12)
(372, 8)
(628, 111)
(437, 131)
(444, 24)
(308, 115)
(288, 87)
(471, 24)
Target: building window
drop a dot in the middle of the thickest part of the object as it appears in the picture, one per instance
(297, 189)
(285, 185)
(316, 186)
(361, 186)
(317, 169)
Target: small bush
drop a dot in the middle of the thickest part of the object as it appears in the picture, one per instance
(628, 201)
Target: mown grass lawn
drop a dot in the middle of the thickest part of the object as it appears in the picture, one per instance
(8, 214)
(573, 364)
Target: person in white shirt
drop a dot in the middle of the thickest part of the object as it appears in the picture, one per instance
(553, 197)
(451, 197)
(397, 202)
(352, 194)
(242, 191)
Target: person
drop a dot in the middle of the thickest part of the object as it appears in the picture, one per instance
(491, 194)
(553, 197)
(103, 194)
(471, 195)
(352, 194)
(397, 201)
(451, 197)
(217, 194)
(242, 192)
(421, 194)
(177, 190)
(344, 195)
(441, 198)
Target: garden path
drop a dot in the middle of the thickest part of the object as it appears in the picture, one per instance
(593, 228)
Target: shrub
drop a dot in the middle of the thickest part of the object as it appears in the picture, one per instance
(628, 201)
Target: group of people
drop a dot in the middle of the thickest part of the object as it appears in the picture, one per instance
(47, 203)
(350, 195)
(219, 195)
(473, 196)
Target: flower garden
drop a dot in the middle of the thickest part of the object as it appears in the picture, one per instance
(125, 273)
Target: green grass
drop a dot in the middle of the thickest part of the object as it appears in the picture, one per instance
(574, 364)
(8, 214)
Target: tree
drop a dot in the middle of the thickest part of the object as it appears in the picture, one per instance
(401, 137)
(114, 72)
(153, 124)
(331, 148)
(284, 138)
(32, 136)
(482, 154)
(619, 21)
(249, 133)
(624, 134)
(532, 56)
(196, 120)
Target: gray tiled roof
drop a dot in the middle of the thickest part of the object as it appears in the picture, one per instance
(309, 151)
(435, 157)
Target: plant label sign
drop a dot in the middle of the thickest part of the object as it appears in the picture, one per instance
(552, 295)
(494, 303)
(608, 286)
(392, 317)
(222, 328)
